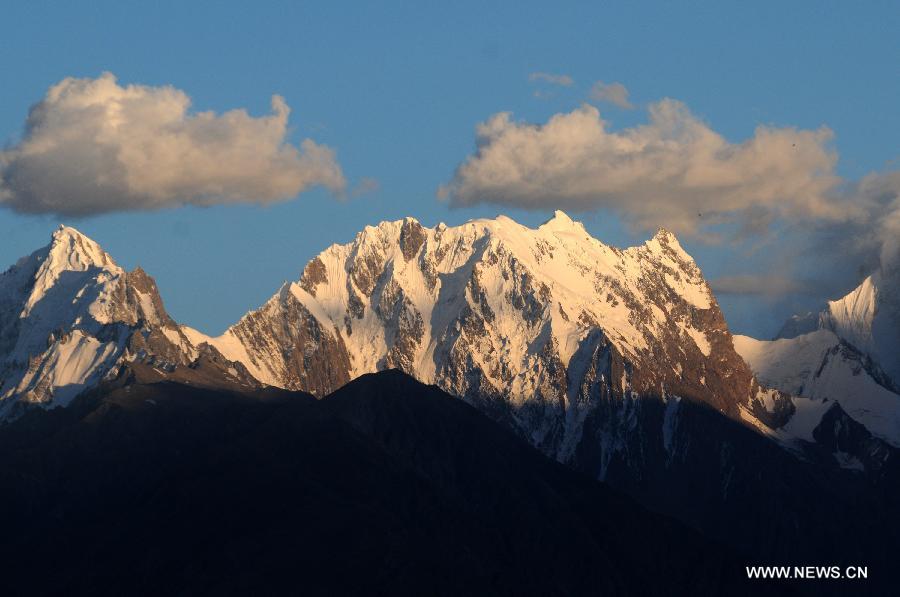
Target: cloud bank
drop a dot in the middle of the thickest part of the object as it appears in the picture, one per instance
(867, 240)
(673, 171)
(92, 146)
(766, 285)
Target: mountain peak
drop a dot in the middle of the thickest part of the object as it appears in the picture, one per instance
(664, 239)
(65, 233)
(561, 221)
(663, 234)
(69, 249)
(561, 216)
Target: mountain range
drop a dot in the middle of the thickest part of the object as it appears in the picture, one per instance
(617, 363)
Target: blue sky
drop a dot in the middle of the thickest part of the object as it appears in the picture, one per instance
(398, 88)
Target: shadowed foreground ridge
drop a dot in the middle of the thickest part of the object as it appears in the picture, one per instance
(386, 486)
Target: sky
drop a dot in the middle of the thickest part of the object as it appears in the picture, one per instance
(222, 145)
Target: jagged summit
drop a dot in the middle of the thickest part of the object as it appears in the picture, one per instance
(664, 240)
(561, 216)
(664, 235)
(69, 251)
(561, 221)
(503, 228)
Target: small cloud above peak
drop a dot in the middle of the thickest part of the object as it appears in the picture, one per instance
(365, 186)
(551, 78)
(613, 93)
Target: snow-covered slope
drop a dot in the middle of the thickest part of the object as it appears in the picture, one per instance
(69, 315)
(819, 369)
(536, 326)
(848, 353)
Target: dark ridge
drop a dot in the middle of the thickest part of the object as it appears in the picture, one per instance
(386, 487)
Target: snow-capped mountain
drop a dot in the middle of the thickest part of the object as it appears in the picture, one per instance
(539, 327)
(69, 315)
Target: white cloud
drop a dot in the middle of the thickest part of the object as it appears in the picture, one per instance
(365, 186)
(553, 79)
(93, 146)
(614, 93)
(673, 171)
(881, 193)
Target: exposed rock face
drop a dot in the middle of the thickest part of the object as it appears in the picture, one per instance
(412, 236)
(286, 346)
(313, 275)
(69, 316)
(852, 446)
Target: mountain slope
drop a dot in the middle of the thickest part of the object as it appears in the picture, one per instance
(385, 487)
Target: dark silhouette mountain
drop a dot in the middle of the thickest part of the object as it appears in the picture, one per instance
(386, 487)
